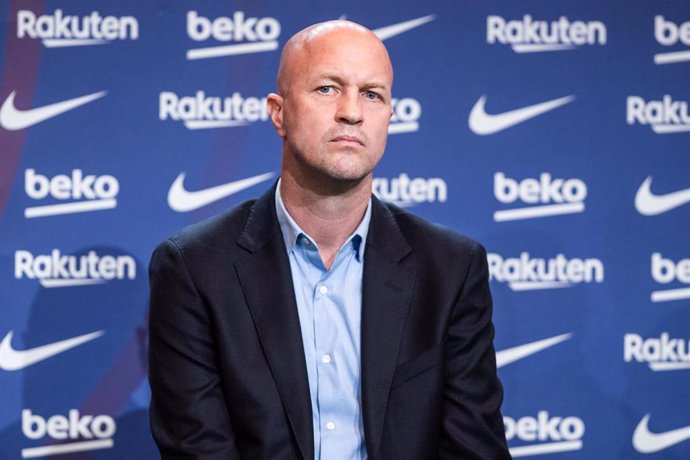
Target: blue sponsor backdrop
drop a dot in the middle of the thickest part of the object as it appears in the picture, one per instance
(556, 133)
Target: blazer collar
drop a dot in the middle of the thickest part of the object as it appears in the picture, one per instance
(388, 283)
(262, 224)
(274, 312)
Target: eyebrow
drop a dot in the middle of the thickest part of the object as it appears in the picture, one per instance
(339, 80)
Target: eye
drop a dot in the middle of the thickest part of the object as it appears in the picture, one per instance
(325, 89)
(371, 95)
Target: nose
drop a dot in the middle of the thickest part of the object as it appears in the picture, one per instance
(349, 109)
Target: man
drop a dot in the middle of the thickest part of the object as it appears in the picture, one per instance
(317, 322)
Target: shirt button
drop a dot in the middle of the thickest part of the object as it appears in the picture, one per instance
(305, 242)
(326, 359)
(323, 289)
(330, 426)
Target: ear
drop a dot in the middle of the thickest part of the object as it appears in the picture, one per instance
(274, 104)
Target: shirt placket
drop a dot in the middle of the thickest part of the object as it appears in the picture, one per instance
(330, 416)
(326, 337)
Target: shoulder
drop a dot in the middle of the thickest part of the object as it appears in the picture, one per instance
(209, 243)
(217, 232)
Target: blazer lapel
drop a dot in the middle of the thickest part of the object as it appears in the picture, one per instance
(274, 311)
(386, 296)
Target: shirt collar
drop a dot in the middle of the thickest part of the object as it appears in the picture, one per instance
(291, 230)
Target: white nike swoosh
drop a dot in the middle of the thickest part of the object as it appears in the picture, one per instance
(13, 360)
(13, 119)
(483, 124)
(510, 355)
(387, 32)
(181, 200)
(649, 204)
(646, 442)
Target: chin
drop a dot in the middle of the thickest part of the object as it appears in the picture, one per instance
(345, 176)
(351, 173)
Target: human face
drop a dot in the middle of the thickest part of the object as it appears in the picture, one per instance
(335, 108)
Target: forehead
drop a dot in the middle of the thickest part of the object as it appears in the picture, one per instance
(345, 53)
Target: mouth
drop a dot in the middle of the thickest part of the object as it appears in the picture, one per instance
(344, 139)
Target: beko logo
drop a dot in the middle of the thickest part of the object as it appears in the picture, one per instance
(665, 116)
(249, 34)
(61, 30)
(667, 33)
(85, 192)
(203, 112)
(549, 433)
(546, 196)
(406, 114)
(525, 273)
(531, 36)
(55, 270)
(76, 433)
(665, 271)
(660, 354)
(404, 191)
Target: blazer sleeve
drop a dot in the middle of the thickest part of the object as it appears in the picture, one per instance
(472, 425)
(189, 417)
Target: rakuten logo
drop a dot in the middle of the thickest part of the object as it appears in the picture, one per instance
(82, 432)
(406, 114)
(546, 196)
(204, 112)
(60, 30)
(56, 270)
(665, 116)
(525, 273)
(668, 33)
(552, 434)
(84, 192)
(665, 271)
(662, 354)
(251, 35)
(404, 191)
(530, 36)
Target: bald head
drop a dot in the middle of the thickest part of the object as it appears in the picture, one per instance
(334, 106)
(299, 48)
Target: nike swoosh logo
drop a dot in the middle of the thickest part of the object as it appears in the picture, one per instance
(646, 442)
(387, 32)
(483, 123)
(14, 360)
(181, 200)
(510, 355)
(14, 119)
(649, 204)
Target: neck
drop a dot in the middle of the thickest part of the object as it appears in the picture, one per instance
(329, 214)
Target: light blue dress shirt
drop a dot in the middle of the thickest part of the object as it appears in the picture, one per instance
(329, 303)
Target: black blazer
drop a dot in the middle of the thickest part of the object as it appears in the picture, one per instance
(226, 361)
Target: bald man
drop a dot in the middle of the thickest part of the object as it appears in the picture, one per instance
(318, 322)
